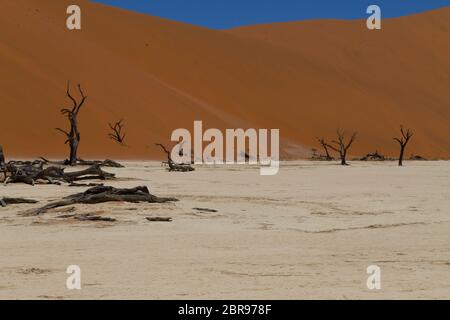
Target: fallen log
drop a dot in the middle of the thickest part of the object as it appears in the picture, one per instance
(6, 201)
(417, 157)
(74, 184)
(86, 217)
(30, 171)
(205, 209)
(16, 173)
(90, 217)
(104, 163)
(58, 163)
(34, 163)
(158, 219)
(373, 157)
(101, 194)
(92, 172)
(81, 162)
(30, 174)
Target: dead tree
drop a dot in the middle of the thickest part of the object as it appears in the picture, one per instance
(403, 141)
(101, 194)
(2, 158)
(2, 163)
(325, 148)
(172, 165)
(73, 136)
(117, 134)
(341, 146)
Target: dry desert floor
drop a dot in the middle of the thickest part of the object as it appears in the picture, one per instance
(309, 232)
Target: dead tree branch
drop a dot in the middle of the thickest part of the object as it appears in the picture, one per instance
(117, 134)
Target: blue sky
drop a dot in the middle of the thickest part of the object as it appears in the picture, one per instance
(222, 14)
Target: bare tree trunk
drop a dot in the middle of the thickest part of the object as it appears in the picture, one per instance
(73, 136)
(327, 153)
(402, 152)
(73, 151)
(325, 147)
(2, 158)
(2, 164)
(343, 159)
(403, 141)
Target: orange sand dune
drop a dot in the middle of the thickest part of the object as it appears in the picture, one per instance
(306, 78)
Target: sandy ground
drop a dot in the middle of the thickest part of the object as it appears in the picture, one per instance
(309, 232)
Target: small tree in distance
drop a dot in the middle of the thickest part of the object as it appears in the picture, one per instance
(403, 141)
(341, 146)
(325, 148)
(117, 134)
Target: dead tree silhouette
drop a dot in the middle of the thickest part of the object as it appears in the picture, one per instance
(172, 165)
(2, 163)
(117, 134)
(73, 136)
(325, 147)
(341, 146)
(2, 158)
(403, 141)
